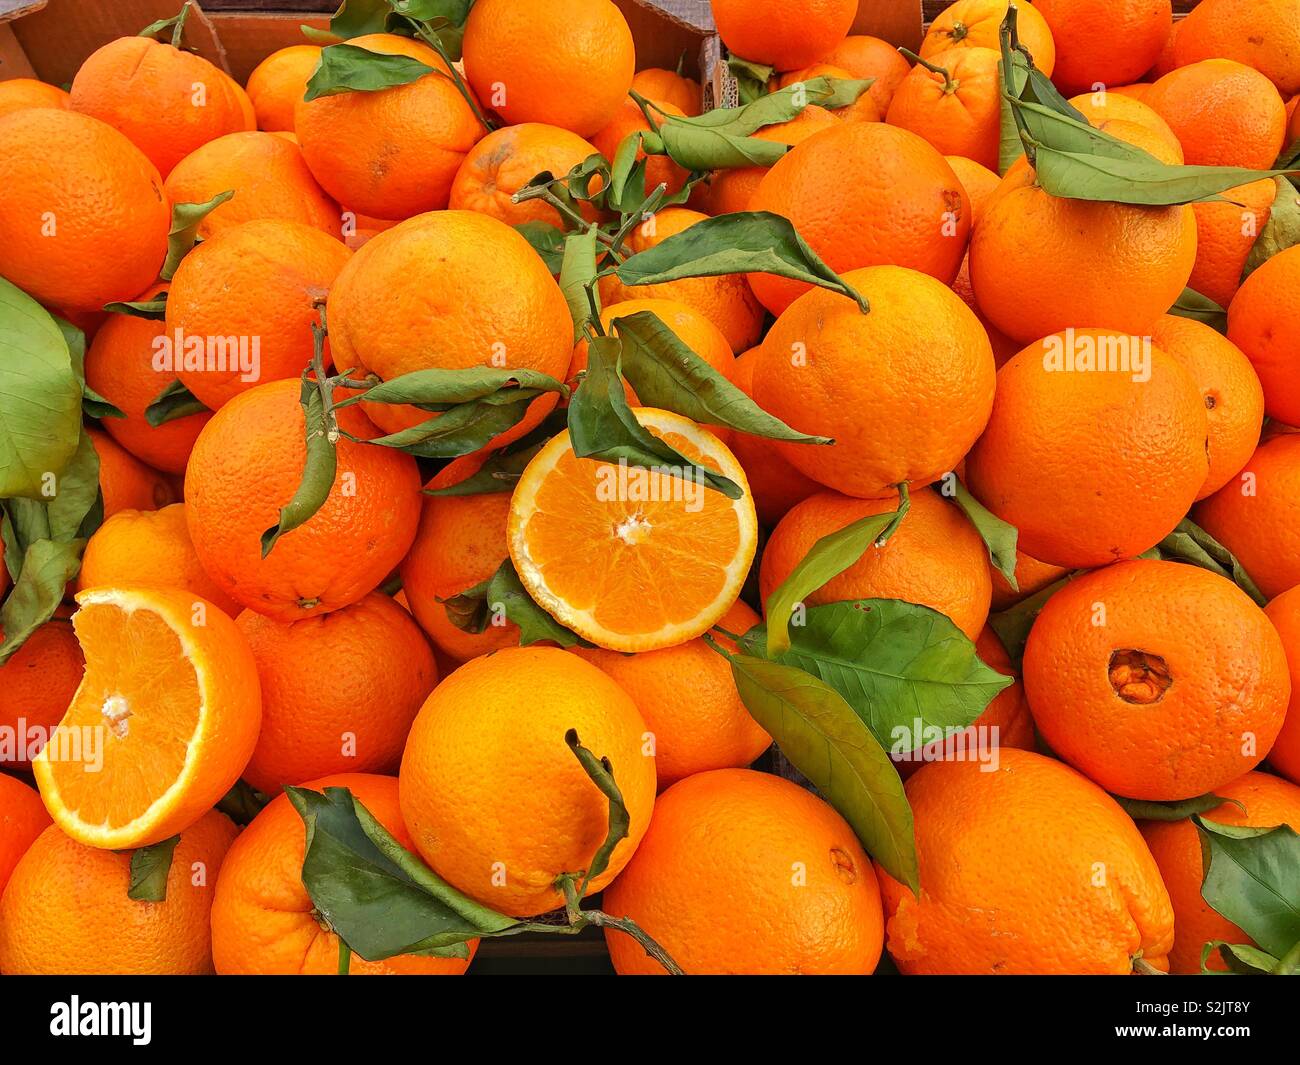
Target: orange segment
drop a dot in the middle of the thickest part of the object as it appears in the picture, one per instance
(632, 559)
(162, 725)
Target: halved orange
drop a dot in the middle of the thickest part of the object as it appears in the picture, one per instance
(627, 557)
(162, 725)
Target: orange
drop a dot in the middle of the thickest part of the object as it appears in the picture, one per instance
(246, 299)
(863, 109)
(67, 910)
(1264, 34)
(105, 196)
(1234, 400)
(166, 101)
(871, 57)
(742, 872)
(391, 153)
(567, 63)
(1284, 613)
(782, 35)
(1176, 847)
(1096, 447)
(1157, 680)
(629, 119)
(449, 290)
(829, 369)
(119, 366)
(506, 160)
(18, 93)
(1032, 577)
(1010, 876)
(1165, 61)
(689, 701)
(279, 81)
(248, 463)
(162, 724)
(971, 24)
(268, 176)
(978, 180)
(22, 819)
(1226, 231)
(935, 558)
(596, 544)
(1111, 105)
(1293, 125)
(36, 685)
(1264, 321)
(959, 114)
(494, 799)
(353, 717)
(1104, 42)
(1256, 515)
(264, 922)
(152, 548)
(1224, 113)
(904, 207)
(125, 481)
(655, 83)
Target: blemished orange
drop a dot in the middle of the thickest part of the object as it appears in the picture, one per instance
(1234, 399)
(1089, 464)
(391, 153)
(870, 57)
(119, 367)
(171, 695)
(18, 93)
(1223, 112)
(629, 119)
(263, 921)
(978, 24)
(1264, 321)
(593, 542)
(978, 180)
(1176, 847)
(1106, 42)
(1126, 670)
(278, 82)
(935, 557)
(495, 800)
(125, 482)
(509, 158)
(66, 909)
(828, 369)
(22, 819)
(1006, 884)
(36, 685)
(450, 290)
(905, 207)
(112, 215)
(1284, 613)
(259, 284)
(151, 548)
(958, 113)
(1032, 577)
(782, 35)
(742, 829)
(268, 176)
(689, 701)
(567, 63)
(656, 83)
(247, 464)
(350, 718)
(1256, 515)
(1264, 34)
(1226, 231)
(165, 100)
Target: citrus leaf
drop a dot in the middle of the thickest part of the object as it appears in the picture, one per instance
(1281, 231)
(627, 174)
(499, 473)
(1190, 543)
(174, 401)
(601, 772)
(153, 309)
(1144, 810)
(184, 232)
(318, 471)
(347, 68)
(751, 78)
(577, 271)
(1013, 624)
(149, 869)
(506, 592)
(545, 239)
(47, 567)
(1241, 959)
(464, 428)
(73, 508)
(1191, 304)
(1250, 878)
(243, 802)
(443, 389)
(999, 536)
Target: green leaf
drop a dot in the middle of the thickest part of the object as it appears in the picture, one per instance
(825, 740)
(149, 869)
(1190, 543)
(464, 428)
(1010, 146)
(174, 401)
(47, 566)
(184, 233)
(577, 271)
(319, 467)
(503, 596)
(243, 802)
(1191, 304)
(356, 18)
(1143, 810)
(626, 190)
(999, 536)
(1280, 232)
(751, 78)
(1250, 878)
(76, 495)
(501, 470)
(153, 309)
(547, 240)
(441, 390)
(601, 772)
(1242, 960)
(1013, 624)
(347, 68)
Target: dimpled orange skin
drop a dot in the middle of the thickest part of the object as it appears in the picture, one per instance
(1226, 230)
(1032, 576)
(785, 36)
(905, 207)
(495, 800)
(861, 378)
(1009, 863)
(935, 558)
(248, 463)
(125, 481)
(112, 214)
(166, 101)
(758, 835)
(962, 120)
(564, 62)
(629, 119)
(1284, 613)
(1112, 42)
(1234, 399)
(451, 290)
(1264, 34)
(391, 153)
(1264, 321)
(1157, 680)
(278, 82)
(263, 920)
(1176, 847)
(1090, 465)
(36, 685)
(18, 93)
(22, 819)
(66, 908)
(970, 24)
(656, 83)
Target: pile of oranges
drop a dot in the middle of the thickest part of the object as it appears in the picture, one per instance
(454, 441)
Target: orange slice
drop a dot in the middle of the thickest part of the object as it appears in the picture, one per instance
(162, 725)
(632, 559)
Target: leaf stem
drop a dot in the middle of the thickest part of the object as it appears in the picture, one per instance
(904, 505)
(435, 42)
(345, 957)
(950, 84)
(603, 920)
